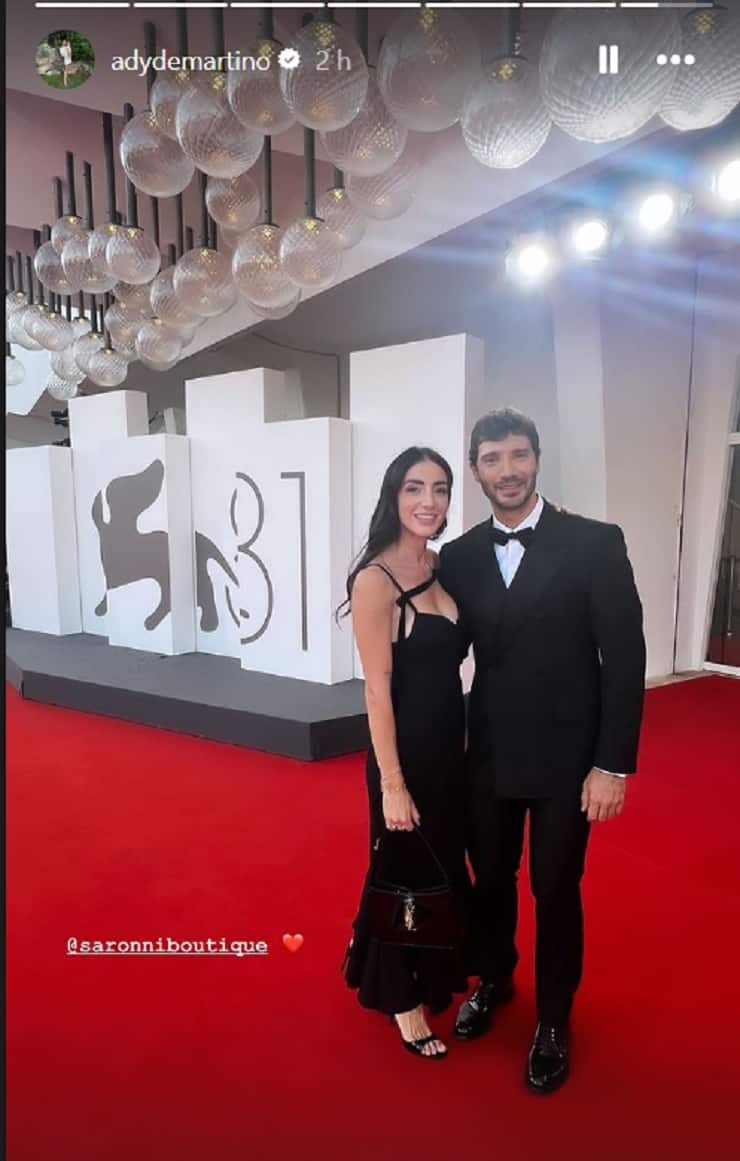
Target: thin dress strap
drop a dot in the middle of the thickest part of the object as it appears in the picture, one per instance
(406, 595)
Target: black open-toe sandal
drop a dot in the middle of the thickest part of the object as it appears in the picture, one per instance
(417, 1046)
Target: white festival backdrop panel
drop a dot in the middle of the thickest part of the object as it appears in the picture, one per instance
(272, 517)
(236, 539)
(41, 540)
(95, 420)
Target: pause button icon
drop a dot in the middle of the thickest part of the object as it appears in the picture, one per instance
(609, 58)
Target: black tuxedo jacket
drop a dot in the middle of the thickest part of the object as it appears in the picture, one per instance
(559, 656)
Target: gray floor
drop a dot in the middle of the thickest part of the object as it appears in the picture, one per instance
(210, 697)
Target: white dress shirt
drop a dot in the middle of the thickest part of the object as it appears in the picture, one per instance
(509, 557)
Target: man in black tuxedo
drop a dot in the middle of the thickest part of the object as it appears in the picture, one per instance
(553, 721)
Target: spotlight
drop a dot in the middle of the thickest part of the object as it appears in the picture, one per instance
(726, 183)
(658, 211)
(589, 237)
(531, 260)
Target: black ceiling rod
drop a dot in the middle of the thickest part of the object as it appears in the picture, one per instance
(150, 51)
(202, 184)
(19, 271)
(181, 17)
(39, 285)
(10, 264)
(87, 187)
(266, 24)
(267, 182)
(362, 30)
(512, 35)
(219, 38)
(189, 238)
(29, 281)
(179, 227)
(110, 169)
(132, 212)
(69, 159)
(58, 198)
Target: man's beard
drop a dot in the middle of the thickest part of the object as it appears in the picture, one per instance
(509, 501)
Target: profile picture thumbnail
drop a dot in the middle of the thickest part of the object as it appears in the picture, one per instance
(65, 59)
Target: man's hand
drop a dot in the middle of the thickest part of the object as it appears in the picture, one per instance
(602, 796)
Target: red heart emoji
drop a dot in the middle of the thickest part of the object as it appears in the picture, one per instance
(292, 942)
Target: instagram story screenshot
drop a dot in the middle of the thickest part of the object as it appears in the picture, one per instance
(372, 580)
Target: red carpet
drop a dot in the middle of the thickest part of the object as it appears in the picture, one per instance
(123, 832)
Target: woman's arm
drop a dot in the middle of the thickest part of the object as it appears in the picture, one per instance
(372, 619)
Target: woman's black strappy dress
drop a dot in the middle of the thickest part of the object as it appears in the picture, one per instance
(430, 733)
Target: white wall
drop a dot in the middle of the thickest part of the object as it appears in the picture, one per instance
(646, 329)
(714, 406)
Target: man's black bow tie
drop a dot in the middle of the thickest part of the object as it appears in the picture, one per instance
(525, 536)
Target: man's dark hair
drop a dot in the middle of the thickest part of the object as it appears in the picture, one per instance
(496, 425)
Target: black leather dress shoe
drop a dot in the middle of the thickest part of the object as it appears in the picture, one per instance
(547, 1063)
(476, 1013)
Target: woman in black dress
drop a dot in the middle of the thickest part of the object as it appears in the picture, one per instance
(411, 644)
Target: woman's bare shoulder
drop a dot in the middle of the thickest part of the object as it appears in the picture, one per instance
(372, 582)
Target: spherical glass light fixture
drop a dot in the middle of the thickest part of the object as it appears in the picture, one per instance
(97, 245)
(255, 95)
(257, 270)
(230, 238)
(49, 329)
(85, 347)
(233, 202)
(107, 368)
(15, 300)
(371, 142)
(427, 62)
(310, 254)
(202, 281)
(330, 96)
(165, 96)
(15, 372)
(344, 220)
(60, 388)
(504, 122)
(81, 326)
(390, 194)
(209, 133)
(134, 297)
(65, 228)
(79, 270)
(49, 270)
(122, 324)
(166, 303)
(703, 93)
(132, 256)
(152, 161)
(16, 333)
(64, 364)
(276, 312)
(599, 107)
(157, 345)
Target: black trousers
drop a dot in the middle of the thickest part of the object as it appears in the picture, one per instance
(558, 836)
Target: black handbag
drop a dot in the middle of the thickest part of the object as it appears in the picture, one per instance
(413, 917)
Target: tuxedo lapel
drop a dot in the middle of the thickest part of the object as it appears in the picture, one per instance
(486, 581)
(537, 568)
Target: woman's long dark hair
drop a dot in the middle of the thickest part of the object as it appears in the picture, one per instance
(385, 525)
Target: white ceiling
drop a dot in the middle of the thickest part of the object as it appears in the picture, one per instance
(461, 211)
